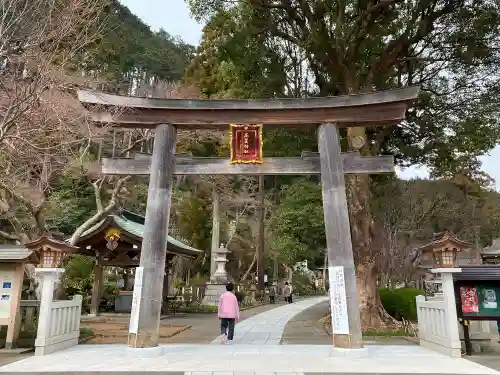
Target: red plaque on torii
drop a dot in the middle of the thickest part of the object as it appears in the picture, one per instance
(246, 144)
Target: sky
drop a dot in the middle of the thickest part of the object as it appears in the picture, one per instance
(173, 16)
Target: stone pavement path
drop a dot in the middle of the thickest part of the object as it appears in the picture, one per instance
(267, 328)
(306, 328)
(257, 353)
(250, 359)
(206, 327)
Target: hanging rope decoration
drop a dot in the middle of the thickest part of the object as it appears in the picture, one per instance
(112, 236)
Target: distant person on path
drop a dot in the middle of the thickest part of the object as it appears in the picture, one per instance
(287, 292)
(229, 314)
(272, 294)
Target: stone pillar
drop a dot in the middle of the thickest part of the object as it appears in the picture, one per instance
(261, 234)
(450, 308)
(342, 275)
(145, 324)
(215, 228)
(49, 277)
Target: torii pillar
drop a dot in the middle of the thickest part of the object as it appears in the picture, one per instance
(147, 302)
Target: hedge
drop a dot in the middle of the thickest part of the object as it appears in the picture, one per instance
(401, 303)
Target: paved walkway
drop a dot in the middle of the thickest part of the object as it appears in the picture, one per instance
(308, 328)
(257, 352)
(267, 328)
(205, 327)
(305, 328)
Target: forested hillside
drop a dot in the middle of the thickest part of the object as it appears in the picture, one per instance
(48, 149)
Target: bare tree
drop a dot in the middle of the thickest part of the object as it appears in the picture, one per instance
(40, 40)
(42, 127)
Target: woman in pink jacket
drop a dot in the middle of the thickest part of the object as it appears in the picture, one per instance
(229, 314)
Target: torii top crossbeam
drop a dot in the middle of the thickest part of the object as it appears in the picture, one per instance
(377, 108)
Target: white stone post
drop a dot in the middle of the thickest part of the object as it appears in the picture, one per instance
(49, 277)
(450, 308)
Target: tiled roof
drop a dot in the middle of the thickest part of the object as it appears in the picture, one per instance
(13, 253)
(136, 228)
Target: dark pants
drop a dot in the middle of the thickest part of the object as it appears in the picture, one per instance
(272, 299)
(227, 327)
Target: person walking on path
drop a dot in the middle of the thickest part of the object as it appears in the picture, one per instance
(287, 292)
(272, 294)
(229, 314)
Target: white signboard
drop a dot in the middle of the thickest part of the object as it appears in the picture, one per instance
(338, 301)
(136, 300)
(6, 280)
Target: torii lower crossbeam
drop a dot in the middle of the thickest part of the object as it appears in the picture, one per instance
(352, 163)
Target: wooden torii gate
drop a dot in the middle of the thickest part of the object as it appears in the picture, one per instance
(327, 114)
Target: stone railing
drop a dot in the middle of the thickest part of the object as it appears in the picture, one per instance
(58, 325)
(434, 326)
(432, 321)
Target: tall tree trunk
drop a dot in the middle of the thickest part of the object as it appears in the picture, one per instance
(364, 232)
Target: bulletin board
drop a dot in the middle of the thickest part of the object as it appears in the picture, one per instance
(479, 300)
(6, 284)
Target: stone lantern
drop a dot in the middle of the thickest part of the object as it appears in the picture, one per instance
(444, 249)
(218, 280)
(51, 252)
(220, 274)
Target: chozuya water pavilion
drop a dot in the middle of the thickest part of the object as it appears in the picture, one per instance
(116, 241)
(326, 114)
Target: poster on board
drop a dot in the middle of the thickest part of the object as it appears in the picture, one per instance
(468, 299)
(489, 299)
(338, 300)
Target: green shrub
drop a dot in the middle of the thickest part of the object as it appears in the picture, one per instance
(197, 307)
(401, 303)
(86, 332)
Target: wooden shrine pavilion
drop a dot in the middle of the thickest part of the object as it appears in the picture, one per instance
(116, 242)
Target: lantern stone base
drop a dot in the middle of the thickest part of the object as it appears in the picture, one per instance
(213, 293)
(155, 351)
(349, 353)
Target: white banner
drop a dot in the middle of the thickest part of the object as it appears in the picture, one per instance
(136, 300)
(338, 301)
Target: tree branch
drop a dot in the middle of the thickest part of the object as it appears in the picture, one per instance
(101, 210)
